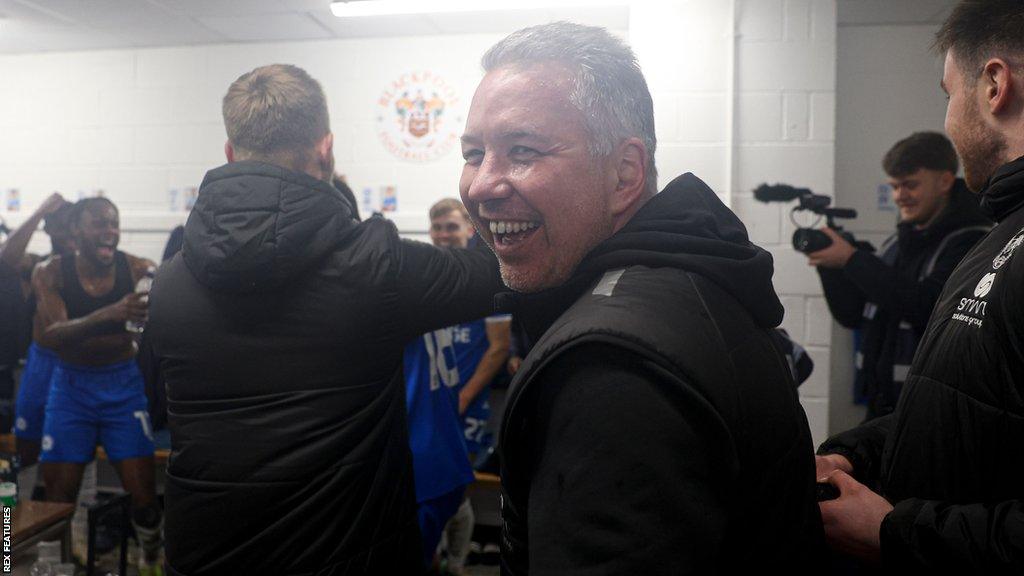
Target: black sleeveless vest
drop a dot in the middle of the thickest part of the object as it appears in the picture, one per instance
(724, 361)
(78, 302)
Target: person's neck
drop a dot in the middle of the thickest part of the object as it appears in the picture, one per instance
(295, 163)
(86, 268)
(620, 222)
(1014, 142)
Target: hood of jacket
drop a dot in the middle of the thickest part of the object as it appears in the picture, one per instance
(255, 226)
(1004, 192)
(685, 226)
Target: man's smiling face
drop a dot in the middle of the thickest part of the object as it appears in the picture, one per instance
(538, 196)
(98, 233)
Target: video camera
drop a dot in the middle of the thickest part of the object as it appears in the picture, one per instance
(809, 239)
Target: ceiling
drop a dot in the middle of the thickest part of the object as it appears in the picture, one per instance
(63, 25)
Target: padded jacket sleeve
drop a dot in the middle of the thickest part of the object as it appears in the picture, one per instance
(981, 538)
(439, 287)
(845, 300)
(863, 447)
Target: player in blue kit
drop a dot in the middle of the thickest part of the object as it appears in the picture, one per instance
(440, 462)
(481, 348)
(35, 379)
(97, 394)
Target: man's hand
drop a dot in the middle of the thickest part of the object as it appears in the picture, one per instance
(52, 203)
(464, 401)
(853, 521)
(834, 256)
(134, 306)
(825, 465)
(513, 365)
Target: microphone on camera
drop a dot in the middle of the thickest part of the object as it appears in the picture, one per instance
(779, 193)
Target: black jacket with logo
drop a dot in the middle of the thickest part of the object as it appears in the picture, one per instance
(948, 457)
(890, 296)
(279, 330)
(654, 428)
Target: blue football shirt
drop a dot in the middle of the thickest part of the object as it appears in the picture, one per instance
(440, 461)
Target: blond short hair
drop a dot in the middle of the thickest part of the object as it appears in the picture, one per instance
(275, 108)
(446, 205)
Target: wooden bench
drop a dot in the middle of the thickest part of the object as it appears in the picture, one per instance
(483, 493)
(485, 480)
(7, 444)
(34, 522)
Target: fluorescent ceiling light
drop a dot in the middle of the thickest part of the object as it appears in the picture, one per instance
(360, 8)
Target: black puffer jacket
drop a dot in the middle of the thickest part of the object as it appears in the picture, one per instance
(890, 296)
(654, 428)
(949, 458)
(279, 330)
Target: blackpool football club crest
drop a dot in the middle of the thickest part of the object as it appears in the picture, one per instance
(418, 118)
(1008, 250)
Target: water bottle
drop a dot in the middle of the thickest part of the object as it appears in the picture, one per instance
(8, 494)
(48, 559)
(145, 283)
(41, 568)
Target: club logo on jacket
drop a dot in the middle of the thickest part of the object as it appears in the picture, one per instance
(417, 118)
(971, 311)
(1008, 250)
(985, 285)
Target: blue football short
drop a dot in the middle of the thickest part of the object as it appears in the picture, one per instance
(30, 407)
(96, 404)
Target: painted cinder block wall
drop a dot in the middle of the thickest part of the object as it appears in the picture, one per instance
(743, 94)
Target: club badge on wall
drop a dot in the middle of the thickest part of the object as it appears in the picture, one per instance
(418, 118)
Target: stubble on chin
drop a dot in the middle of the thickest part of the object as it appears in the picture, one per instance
(981, 151)
(981, 160)
(522, 281)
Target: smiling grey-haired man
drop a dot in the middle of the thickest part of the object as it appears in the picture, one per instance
(654, 428)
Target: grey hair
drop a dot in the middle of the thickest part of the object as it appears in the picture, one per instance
(608, 86)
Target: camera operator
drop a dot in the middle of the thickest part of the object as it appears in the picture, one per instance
(890, 296)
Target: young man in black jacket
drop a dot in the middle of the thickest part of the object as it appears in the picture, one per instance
(279, 330)
(653, 428)
(944, 464)
(891, 295)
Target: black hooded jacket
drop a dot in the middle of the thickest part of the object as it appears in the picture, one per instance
(654, 428)
(948, 458)
(890, 296)
(279, 330)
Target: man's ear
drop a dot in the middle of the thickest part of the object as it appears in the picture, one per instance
(630, 174)
(229, 151)
(946, 180)
(325, 152)
(998, 81)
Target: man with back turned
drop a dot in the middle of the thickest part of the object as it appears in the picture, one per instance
(279, 330)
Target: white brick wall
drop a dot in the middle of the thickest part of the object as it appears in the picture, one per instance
(785, 126)
(137, 123)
